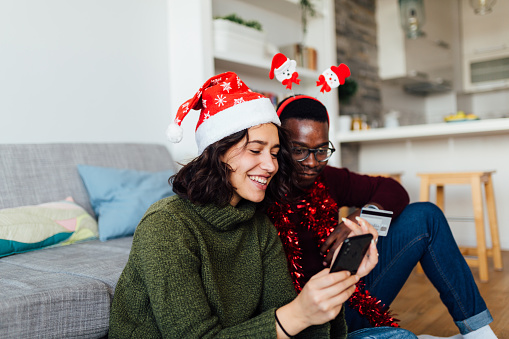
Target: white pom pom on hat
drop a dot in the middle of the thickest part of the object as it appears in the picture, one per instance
(174, 132)
(227, 106)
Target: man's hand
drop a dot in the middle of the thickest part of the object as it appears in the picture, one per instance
(340, 233)
(330, 245)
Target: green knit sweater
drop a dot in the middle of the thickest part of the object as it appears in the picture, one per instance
(203, 271)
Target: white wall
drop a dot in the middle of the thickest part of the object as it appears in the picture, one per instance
(82, 70)
(190, 63)
(99, 70)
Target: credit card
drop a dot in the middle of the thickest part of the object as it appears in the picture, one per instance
(379, 219)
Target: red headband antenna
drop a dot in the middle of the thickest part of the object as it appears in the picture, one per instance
(298, 97)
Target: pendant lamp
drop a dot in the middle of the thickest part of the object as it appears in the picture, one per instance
(412, 17)
(482, 7)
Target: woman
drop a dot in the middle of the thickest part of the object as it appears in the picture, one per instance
(207, 262)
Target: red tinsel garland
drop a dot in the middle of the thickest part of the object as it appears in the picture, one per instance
(316, 211)
(319, 213)
(371, 308)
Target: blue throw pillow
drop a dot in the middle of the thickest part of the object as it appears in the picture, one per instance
(120, 197)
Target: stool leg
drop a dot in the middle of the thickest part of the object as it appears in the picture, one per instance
(440, 197)
(424, 194)
(492, 218)
(479, 228)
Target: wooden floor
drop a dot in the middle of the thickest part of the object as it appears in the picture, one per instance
(421, 311)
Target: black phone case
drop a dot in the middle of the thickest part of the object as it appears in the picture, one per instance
(351, 253)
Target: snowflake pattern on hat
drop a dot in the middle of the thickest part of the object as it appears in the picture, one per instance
(227, 106)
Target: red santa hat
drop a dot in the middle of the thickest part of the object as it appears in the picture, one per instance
(227, 106)
(279, 61)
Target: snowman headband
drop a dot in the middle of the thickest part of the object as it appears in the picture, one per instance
(285, 71)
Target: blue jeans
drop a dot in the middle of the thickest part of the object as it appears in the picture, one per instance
(421, 233)
(381, 333)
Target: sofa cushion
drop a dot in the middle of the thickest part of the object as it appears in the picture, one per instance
(61, 292)
(33, 227)
(93, 259)
(120, 197)
(37, 304)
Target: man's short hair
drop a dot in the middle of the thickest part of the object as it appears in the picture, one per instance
(302, 107)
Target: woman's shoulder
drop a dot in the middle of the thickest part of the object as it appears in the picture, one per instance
(166, 204)
(166, 217)
(165, 210)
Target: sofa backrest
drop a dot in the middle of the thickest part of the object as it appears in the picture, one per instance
(37, 173)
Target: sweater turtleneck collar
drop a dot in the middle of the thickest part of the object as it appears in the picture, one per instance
(226, 218)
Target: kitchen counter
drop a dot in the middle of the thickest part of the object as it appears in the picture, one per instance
(468, 146)
(426, 131)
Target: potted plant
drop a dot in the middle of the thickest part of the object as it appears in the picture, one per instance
(233, 34)
(307, 9)
(347, 91)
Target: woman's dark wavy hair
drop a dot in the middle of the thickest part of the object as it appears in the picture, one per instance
(205, 179)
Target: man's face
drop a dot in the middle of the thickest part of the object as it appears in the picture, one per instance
(310, 134)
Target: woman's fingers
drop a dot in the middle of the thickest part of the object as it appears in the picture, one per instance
(323, 296)
(367, 228)
(323, 279)
(342, 297)
(369, 261)
(362, 227)
(354, 227)
(328, 285)
(333, 287)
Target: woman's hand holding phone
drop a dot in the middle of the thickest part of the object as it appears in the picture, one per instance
(323, 296)
(320, 300)
(371, 258)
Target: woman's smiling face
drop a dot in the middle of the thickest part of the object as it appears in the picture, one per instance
(253, 164)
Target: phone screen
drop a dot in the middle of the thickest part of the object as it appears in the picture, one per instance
(351, 253)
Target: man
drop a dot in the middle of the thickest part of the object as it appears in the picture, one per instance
(419, 232)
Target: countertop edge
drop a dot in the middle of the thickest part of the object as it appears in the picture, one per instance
(476, 127)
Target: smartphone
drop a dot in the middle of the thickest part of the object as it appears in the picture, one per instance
(351, 253)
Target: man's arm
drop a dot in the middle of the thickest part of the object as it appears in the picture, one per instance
(356, 190)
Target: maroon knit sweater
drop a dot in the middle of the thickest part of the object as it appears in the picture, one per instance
(352, 190)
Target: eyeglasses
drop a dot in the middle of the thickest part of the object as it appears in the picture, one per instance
(321, 154)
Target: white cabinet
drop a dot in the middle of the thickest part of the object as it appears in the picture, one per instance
(485, 48)
(405, 61)
(485, 33)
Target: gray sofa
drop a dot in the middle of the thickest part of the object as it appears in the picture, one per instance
(63, 292)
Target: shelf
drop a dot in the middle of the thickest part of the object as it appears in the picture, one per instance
(257, 66)
(428, 131)
(287, 8)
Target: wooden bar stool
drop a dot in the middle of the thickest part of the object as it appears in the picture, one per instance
(475, 180)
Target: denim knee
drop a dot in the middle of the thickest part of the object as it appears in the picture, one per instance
(381, 333)
(423, 210)
(422, 215)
